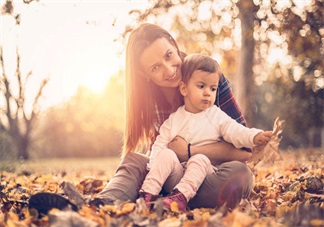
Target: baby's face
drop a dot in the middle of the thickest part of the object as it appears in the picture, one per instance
(200, 92)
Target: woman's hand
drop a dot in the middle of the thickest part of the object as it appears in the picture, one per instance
(180, 146)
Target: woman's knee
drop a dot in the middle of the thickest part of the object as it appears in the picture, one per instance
(238, 172)
(135, 164)
(237, 166)
(232, 169)
(230, 183)
(238, 183)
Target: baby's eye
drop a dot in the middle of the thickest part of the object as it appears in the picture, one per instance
(200, 86)
(213, 89)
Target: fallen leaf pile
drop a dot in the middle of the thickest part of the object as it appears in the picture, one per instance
(289, 193)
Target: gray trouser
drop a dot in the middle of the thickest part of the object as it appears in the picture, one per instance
(230, 182)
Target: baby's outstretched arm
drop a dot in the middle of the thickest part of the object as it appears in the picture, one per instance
(262, 138)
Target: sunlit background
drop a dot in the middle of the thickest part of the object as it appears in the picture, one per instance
(69, 42)
(78, 47)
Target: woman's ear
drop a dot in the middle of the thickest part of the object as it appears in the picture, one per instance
(183, 88)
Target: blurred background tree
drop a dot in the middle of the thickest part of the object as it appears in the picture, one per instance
(87, 125)
(16, 121)
(17, 118)
(272, 52)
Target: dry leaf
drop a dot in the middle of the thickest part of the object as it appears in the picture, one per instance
(275, 200)
(127, 208)
(268, 153)
(174, 207)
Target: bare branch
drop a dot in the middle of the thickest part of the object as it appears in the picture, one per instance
(21, 90)
(27, 76)
(28, 1)
(6, 92)
(1, 62)
(39, 94)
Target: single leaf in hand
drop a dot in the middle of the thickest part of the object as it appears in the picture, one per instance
(270, 152)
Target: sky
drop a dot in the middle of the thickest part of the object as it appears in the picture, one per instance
(69, 42)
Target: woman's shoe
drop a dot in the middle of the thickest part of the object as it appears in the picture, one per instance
(43, 202)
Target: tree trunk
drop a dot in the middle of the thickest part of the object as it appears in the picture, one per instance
(244, 82)
(23, 148)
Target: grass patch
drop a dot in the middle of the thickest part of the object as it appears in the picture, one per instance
(67, 166)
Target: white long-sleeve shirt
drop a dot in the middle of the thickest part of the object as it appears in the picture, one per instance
(206, 127)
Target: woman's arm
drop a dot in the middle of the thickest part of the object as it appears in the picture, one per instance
(217, 152)
(221, 152)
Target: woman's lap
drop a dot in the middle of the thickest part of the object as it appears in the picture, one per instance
(229, 183)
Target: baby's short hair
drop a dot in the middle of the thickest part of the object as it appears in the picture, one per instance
(193, 62)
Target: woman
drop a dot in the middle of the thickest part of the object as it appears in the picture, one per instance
(153, 74)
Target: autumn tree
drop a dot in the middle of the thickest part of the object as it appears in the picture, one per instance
(15, 121)
(294, 88)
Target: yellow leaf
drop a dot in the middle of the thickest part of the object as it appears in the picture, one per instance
(205, 216)
(127, 208)
(174, 207)
(316, 222)
(54, 211)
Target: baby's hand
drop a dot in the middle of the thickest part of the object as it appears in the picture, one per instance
(262, 138)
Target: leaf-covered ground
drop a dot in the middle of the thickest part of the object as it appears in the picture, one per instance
(288, 193)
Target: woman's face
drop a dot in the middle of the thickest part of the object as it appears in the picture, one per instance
(161, 63)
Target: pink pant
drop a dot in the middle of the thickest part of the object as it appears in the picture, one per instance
(168, 172)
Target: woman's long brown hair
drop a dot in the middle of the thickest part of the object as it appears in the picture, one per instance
(139, 93)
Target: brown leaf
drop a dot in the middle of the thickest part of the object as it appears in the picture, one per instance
(268, 153)
(72, 193)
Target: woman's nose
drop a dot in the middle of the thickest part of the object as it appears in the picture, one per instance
(168, 70)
